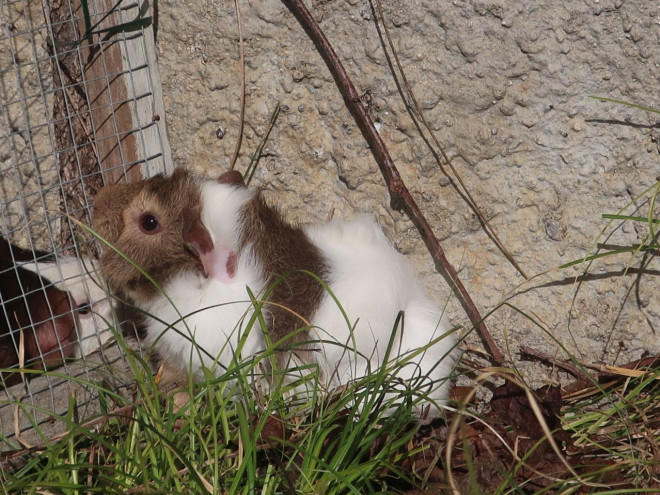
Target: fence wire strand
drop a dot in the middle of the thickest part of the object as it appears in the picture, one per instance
(79, 108)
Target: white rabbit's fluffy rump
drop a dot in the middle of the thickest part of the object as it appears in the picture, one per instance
(372, 282)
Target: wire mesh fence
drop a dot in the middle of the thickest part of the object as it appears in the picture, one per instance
(80, 107)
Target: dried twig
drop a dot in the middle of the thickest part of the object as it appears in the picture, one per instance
(608, 376)
(241, 123)
(399, 194)
(566, 366)
(252, 166)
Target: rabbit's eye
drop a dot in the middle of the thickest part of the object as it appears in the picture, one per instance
(149, 224)
(84, 308)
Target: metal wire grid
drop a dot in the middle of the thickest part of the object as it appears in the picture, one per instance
(36, 193)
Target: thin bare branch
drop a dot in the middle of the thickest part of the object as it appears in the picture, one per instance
(566, 366)
(241, 123)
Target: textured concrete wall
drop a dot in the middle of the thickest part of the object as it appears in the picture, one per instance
(505, 87)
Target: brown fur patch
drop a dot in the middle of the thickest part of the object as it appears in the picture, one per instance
(283, 249)
(232, 177)
(232, 264)
(117, 210)
(37, 310)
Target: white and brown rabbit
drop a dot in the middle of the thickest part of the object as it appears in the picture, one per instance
(205, 242)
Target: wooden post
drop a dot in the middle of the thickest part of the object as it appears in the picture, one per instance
(108, 114)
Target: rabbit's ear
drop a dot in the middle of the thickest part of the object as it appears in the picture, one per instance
(197, 238)
(233, 178)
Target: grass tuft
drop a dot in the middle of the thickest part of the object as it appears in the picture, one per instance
(232, 435)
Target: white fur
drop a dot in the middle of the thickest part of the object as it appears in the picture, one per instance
(220, 206)
(367, 275)
(80, 278)
(225, 306)
(204, 337)
(372, 283)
